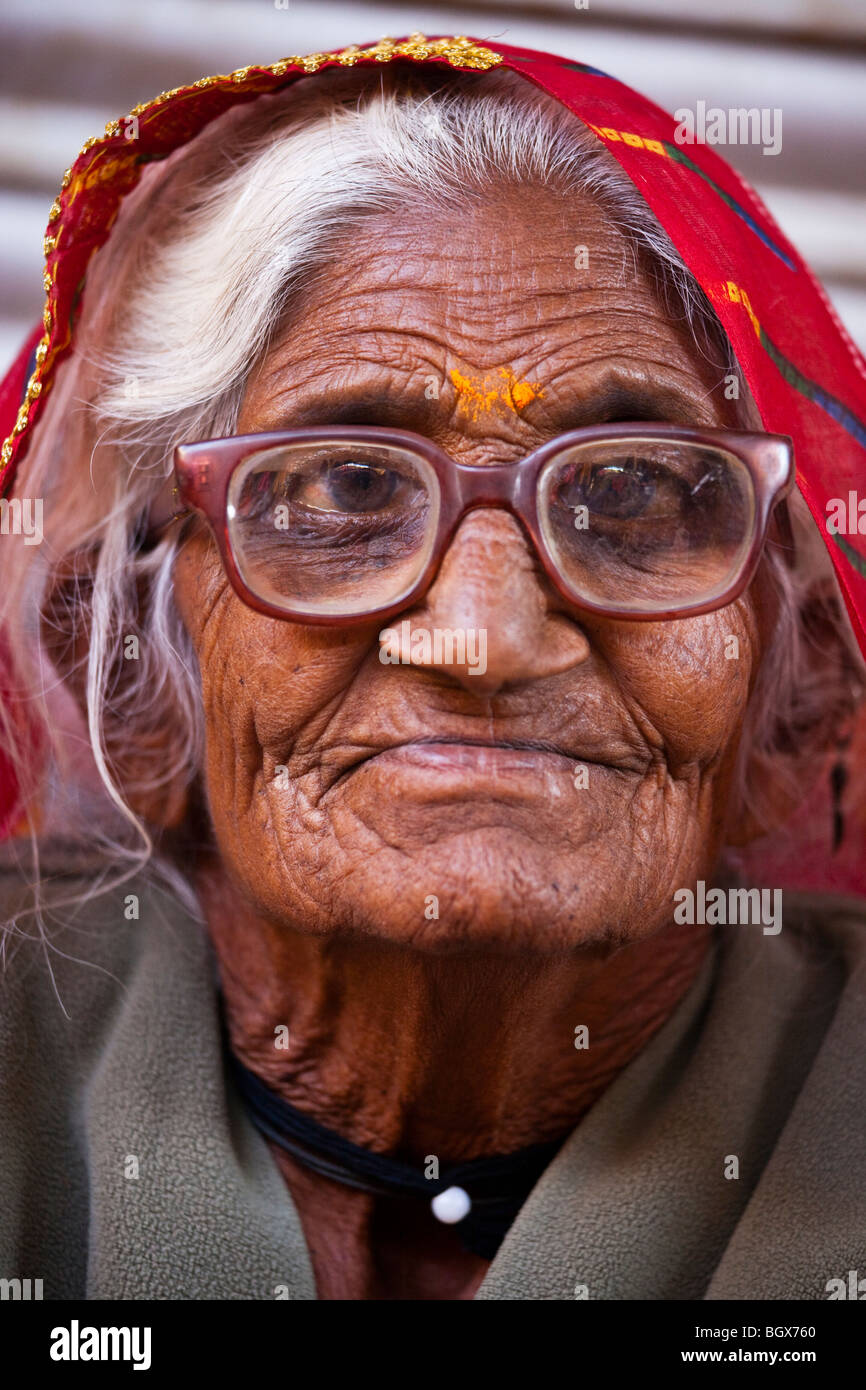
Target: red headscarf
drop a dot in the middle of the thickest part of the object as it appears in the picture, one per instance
(806, 375)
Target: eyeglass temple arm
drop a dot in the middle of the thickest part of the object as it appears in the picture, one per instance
(167, 508)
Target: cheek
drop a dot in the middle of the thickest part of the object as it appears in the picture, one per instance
(295, 678)
(264, 682)
(690, 680)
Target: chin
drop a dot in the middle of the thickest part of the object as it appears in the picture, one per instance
(494, 889)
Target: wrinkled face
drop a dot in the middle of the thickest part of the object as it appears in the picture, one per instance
(428, 803)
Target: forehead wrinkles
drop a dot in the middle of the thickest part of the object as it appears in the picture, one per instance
(332, 350)
(407, 329)
(488, 278)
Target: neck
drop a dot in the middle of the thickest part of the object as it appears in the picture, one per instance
(455, 1055)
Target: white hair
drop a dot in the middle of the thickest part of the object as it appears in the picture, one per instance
(181, 303)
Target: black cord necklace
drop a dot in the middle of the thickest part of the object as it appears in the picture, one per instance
(480, 1196)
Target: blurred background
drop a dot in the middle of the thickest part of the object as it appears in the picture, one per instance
(66, 69)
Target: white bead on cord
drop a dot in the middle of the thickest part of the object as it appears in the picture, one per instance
(451, 1206)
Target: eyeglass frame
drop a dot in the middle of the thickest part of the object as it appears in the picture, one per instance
(204, 470)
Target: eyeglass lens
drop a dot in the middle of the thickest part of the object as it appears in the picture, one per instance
(333, 527)
(647, 524)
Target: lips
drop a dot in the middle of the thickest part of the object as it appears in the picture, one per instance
(475, 750)
(433, 752)
(467, 756)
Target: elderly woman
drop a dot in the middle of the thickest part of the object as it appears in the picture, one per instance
(420, 557)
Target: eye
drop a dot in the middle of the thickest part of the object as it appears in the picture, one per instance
(343, 487)
(349, 486)
(621, 491)
(624, 490)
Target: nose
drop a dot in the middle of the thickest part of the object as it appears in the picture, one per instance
(489, 620)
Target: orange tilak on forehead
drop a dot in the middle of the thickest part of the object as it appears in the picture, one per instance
(477, 397)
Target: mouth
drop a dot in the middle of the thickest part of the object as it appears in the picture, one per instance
(490, 757)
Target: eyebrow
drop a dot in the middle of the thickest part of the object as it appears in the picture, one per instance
(615, 400)
(621, 400)
(363, 406)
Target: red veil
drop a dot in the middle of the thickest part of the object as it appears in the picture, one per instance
(806, 375)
